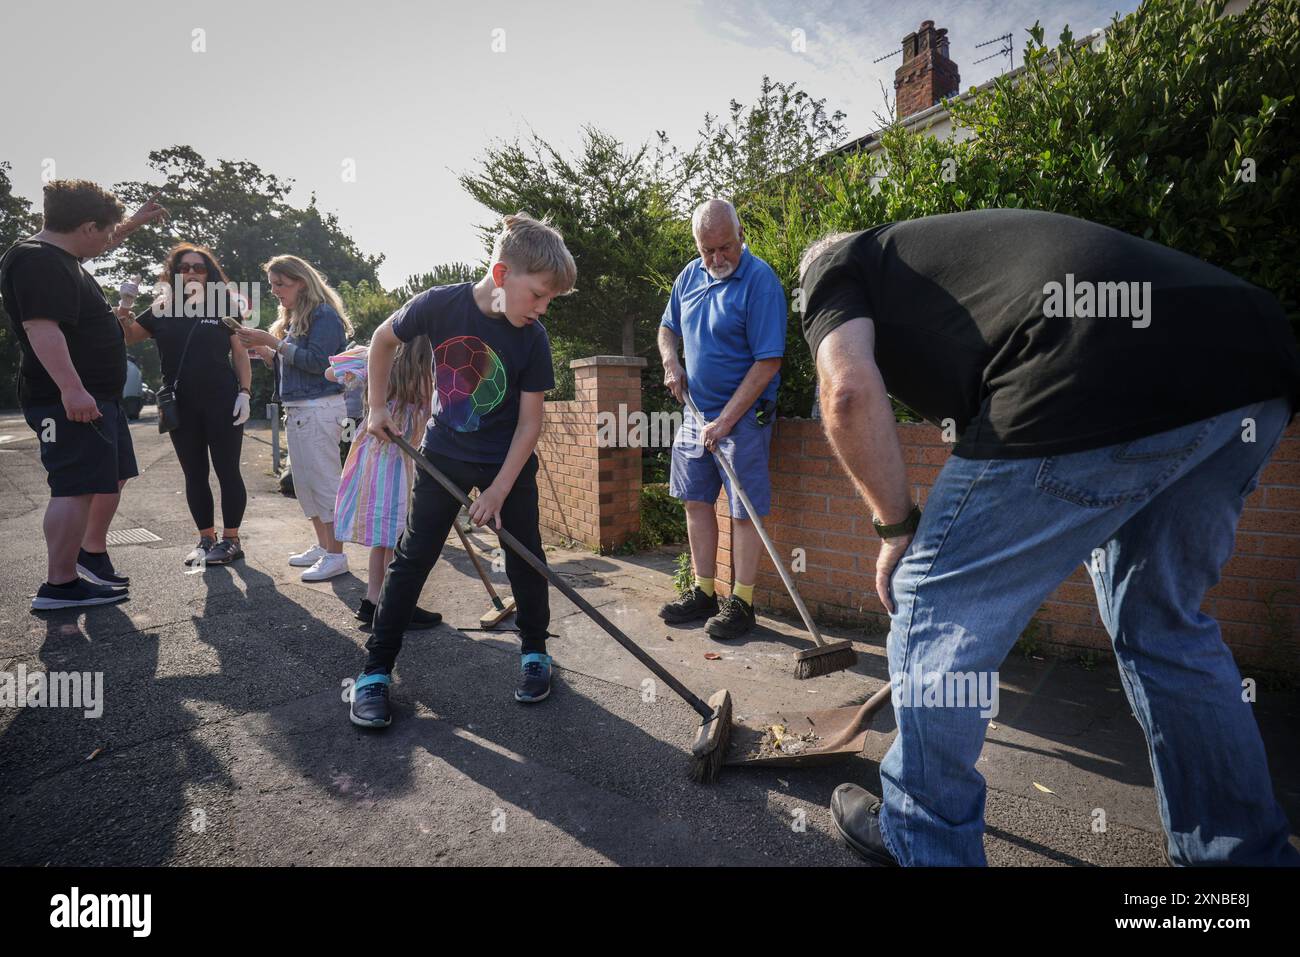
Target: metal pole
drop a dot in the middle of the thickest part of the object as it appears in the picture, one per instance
(273, 413)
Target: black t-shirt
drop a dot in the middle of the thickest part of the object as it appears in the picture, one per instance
(39, 280)
(480, 365)
(207, 371)
(1025, 329)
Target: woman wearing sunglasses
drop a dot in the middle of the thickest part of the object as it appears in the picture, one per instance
(207, 365)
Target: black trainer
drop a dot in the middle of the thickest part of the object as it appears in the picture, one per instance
(206, 544)
(224, 552)
(692, 606)
(534, 678)
(734, 619)
(98, 568)
(76, 594)
(421, 619)
(369, 707)
(366, 613)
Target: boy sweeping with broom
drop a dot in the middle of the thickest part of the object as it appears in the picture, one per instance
(491, 368)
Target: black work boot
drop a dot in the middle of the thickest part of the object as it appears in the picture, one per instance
(856, 814)
(734, 619)
(692, 606)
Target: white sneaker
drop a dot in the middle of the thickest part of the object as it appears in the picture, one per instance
(310, 557)
(329, 565)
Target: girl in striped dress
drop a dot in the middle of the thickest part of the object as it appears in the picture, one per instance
(375, 487)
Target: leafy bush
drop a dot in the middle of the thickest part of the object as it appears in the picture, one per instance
(663, 518)
(1149, 133)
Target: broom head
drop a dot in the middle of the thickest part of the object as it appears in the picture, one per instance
(712, 740)
(824, 660)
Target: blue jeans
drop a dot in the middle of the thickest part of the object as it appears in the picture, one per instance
(1154, 521)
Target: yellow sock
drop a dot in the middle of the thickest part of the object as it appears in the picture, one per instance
(704, 584)
(744, 592)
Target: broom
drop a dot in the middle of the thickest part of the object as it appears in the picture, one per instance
(500, 610)
(828, 656)
(714, 734)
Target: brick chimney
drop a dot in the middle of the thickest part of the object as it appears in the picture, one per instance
(927, 75)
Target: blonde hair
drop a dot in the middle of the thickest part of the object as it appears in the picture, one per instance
(314, 292)
(535, 246)
(411, 380)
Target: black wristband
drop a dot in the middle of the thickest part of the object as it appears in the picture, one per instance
(906, 527)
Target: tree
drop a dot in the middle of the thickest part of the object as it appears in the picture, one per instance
(242, 213)
(1181, 128)
(17, 221)
(368, 304)
(445, 274)
(785, 130)
(1149, 133)
(614, 211)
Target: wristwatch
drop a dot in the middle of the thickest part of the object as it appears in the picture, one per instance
(247, 392)
(906, 527)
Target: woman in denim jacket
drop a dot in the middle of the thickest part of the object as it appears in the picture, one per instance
(310, 327)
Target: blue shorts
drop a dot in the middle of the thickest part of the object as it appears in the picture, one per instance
(697, 477)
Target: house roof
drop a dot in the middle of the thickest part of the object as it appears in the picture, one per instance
(939, 111)
(871, 141)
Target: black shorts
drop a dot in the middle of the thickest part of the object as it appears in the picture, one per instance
(83, 458)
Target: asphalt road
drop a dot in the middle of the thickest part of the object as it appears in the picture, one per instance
(224, 737)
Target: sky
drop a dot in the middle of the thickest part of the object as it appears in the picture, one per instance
(412, 93)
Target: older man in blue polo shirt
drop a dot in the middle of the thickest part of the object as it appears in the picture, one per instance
(729, 311)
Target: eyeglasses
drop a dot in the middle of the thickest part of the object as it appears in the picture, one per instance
(192, 267)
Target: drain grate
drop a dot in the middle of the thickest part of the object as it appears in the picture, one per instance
(131, 536)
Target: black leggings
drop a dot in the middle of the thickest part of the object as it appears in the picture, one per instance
(428, 521)
(206, 427)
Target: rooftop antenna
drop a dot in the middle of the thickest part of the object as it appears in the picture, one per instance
(1005, 50)
(892, 53)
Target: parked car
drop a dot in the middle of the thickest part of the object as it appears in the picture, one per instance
(134, 393)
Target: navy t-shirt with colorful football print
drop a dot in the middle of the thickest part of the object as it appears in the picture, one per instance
(480, 365)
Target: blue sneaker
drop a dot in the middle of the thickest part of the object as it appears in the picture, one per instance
(370, 701)
(534, 678)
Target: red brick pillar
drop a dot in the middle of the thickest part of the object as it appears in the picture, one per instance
(588, 493)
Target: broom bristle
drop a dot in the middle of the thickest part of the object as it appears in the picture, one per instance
(834, 659)
(706, 762)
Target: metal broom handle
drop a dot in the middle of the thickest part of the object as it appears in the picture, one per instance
(762, 532)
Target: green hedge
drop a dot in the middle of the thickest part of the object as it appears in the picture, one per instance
(663, 519)
(1150, 132)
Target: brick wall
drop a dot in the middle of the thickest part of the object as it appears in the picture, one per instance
(815, 508)
(586, 493)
